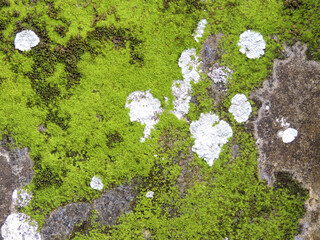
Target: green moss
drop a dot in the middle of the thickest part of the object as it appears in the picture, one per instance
(91, 56)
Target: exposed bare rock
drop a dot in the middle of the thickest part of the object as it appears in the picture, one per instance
(113, 203)
(62, 221)
(291, 99)
(210, 52)
(16, 172)
(210, 56)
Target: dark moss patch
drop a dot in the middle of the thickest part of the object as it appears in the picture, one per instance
(285, 180)
(4, 3)
(119, 38)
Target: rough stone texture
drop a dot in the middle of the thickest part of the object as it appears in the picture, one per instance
(16, 172)
(293, 94)
(210, 51)
(113, 203)
(210, 57)
(62, 221)
(19, 227)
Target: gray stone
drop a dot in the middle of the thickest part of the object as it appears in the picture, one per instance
(292, 94)
(63, 220)
(210, 52)
(113, 203)
(16, 172)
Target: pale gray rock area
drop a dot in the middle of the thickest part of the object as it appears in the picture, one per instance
(21, 197)
(63, 220)
(115, 202)
(210, 52)
(18, 226)
(252, 44)
(25, 40)
(292, 93)
(16, 172)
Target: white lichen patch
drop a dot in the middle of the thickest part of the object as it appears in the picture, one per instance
(144, 108)
(219, 74)
(200, 29)
(240, 108)
(150, 194)
(288, 135)
(182, 94)
(252, 44)
(96, 183)
(189, 63)
(283, 122)
(209, 139)
(21, 197)
(19, 227)
(25, 40)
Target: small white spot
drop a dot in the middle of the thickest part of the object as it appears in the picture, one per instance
(149, 194)
(144, 108)
(289, 135)
(280, 133)
(96, 183)
(283, 122)
(25, 40)
(200, 29)
(267, 107)
(252, 44)
(155, 155)
(240, 108)
(17, 227)
(209, 139)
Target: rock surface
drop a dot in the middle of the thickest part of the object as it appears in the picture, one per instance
(62, 221)
(16, 172)
(210, 52)
(19, 227)
(113, 203)
(292, 94)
